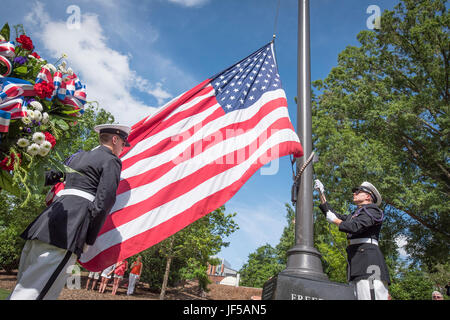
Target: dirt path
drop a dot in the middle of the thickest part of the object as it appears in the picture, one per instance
(142, 292)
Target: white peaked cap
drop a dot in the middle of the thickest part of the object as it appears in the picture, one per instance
(375, 194)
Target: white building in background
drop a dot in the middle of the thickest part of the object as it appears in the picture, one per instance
(223, 273)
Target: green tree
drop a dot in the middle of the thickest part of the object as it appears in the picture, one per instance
(381, 115)
(440, 276)
(331, 244)
(411, 283)
(287, 239)
(184, 255)
(261, 265)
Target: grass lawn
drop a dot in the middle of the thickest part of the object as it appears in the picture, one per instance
(4, 294)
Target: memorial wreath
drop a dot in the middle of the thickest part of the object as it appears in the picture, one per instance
(39, 101)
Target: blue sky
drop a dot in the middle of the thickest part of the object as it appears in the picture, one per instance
(134, 56)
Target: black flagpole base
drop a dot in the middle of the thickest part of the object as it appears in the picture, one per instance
(304, 261)
(303, 279)
(296, 287)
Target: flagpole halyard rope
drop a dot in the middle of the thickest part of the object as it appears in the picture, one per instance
(276, 21)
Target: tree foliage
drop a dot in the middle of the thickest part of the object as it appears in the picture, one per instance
(189, 250)
(261, 266)
(411, 284)
(382, 116)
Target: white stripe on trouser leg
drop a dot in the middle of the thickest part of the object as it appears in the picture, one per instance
(37, 264)
(363, 289)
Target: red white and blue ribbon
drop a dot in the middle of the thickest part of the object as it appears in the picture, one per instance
(44, 76)
(15, 107)
(5, 118)
(11, 88)
(11, 103)
(68, 89)
(7, 50)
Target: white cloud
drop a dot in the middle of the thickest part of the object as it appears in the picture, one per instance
(401, 242)
(155, 90)
(106, 3)
(105, 71)
(190, 3)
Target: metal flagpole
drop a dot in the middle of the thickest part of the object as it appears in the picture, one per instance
(303, 278)
(303, 258)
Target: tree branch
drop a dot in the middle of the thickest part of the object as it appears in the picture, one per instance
(419, 219)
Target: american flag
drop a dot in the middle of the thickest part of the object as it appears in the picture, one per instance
(194, 154)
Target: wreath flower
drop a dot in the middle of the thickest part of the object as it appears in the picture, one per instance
(50, 138)
(23, 142)
(44, 89)
(26, 42)
(33, 149)
(42, 101)
(8, 162)
(38, 137)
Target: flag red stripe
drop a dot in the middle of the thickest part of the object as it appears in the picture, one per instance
(183, 185)
(207, 142)
(148, 238)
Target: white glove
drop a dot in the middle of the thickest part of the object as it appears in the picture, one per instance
(319, 186)
(331, 217)
(86, 247)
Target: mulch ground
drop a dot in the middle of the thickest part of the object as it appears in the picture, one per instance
(142, 292)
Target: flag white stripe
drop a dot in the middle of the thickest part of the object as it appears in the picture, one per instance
(172, 208)
(180, 126)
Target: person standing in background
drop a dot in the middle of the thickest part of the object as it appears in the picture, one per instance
(119, 271)
(106, 275)
(135, 274)
(94, 276)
